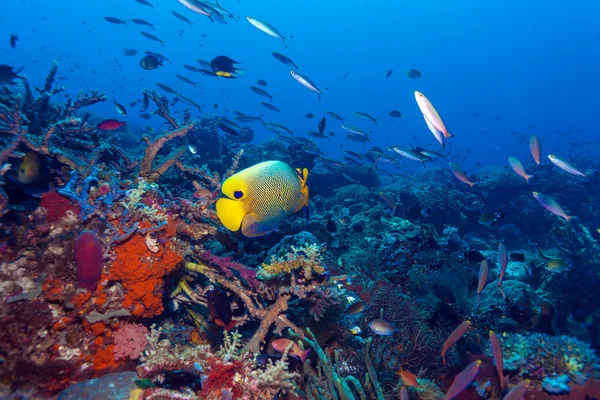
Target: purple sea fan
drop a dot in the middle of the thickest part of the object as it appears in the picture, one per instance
(130, 341)
(88, 260)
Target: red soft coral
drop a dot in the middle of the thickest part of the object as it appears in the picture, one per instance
(57, 206)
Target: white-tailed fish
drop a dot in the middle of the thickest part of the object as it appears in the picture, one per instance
(430, 113)
(564, 165)
(306, 82)
(197, 7)
(268, 29)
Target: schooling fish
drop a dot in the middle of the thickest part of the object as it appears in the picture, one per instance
(396, 114)
(261, 197)
(181, 18)
(551, 205)
(114, 20)
(365, 116)
(271, 107)
(430, 114)
(388, 73)
(353, 129)
(185, 80)
(166, 88)
(564, 165)
(334, 115)
(142, 22)
(267, 28)
(516, 166)
(152, 37)
(145, 3)
(411, 155)
(306, 82)
(284, 60)
(261, 92)
(197, 7)
(535, 149)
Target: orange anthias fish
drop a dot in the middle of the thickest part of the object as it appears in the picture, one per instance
(453, 338)
(536, 151)
(460, 175)
(280, 345)
(516, 166)
(497, 353)
(408, 377)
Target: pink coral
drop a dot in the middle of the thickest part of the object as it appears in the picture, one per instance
(227, 265)
(130, 341)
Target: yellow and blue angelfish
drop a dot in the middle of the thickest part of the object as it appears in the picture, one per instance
(261, 197)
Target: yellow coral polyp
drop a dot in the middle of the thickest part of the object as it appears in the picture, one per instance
(307, 258)
(573, 365)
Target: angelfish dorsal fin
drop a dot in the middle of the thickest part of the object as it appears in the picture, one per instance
(303, 175)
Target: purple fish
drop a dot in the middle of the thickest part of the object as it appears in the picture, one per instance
(551, 205)
(497, 353)
(463, 380)
(518, 391)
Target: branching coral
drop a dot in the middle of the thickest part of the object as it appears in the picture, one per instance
(305, 260)
(536, 356)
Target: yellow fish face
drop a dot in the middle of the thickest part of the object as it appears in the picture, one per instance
(29, 170)
(259, 198)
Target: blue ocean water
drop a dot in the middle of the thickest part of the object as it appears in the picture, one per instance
(521, 68)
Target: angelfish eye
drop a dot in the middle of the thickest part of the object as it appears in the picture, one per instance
(238, 194)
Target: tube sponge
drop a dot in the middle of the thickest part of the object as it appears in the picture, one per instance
(88, 260)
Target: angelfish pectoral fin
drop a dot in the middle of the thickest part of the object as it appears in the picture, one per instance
(251, 227)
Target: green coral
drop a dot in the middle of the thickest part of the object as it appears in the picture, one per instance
(536, 356)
